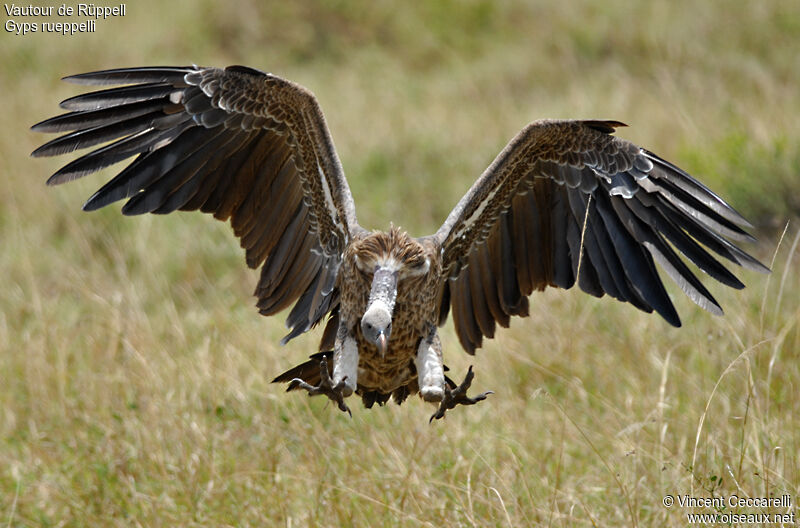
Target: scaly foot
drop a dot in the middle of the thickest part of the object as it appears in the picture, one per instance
(326, 387)
(453, 397)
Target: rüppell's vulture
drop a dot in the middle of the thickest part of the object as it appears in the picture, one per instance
(564, 202)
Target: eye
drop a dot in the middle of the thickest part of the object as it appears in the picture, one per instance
(418, 266)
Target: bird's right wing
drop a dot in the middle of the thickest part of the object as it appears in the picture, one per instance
(237, 143)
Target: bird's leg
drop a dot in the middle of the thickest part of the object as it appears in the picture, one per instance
(345, 372)
(345, 361)
(430, 371)
(458, 395)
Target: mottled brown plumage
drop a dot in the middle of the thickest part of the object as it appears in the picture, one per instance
(415, 308)
(254, 148)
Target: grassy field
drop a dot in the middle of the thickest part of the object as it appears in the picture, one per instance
(134, 369)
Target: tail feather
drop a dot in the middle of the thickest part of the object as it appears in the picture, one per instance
(308, 371)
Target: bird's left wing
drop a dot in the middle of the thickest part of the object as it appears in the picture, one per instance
(565, 194)
(237, 143)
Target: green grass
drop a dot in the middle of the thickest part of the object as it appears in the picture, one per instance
(134, 369)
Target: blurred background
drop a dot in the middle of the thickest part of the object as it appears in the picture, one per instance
(135, 369)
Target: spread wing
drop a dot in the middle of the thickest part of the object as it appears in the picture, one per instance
(520, 228)
(237, 143)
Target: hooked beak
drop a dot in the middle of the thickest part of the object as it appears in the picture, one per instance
(382, 344)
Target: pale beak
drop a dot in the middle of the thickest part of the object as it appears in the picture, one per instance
(382, 344)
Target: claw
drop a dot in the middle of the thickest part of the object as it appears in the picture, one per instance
(326, 387)
(453, 397)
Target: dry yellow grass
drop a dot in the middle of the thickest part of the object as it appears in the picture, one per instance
(135, 370)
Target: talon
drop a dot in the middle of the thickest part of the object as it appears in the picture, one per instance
(453, 397)
(334, 392)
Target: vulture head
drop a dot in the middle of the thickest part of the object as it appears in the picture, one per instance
(376, 324)
(390, 257)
